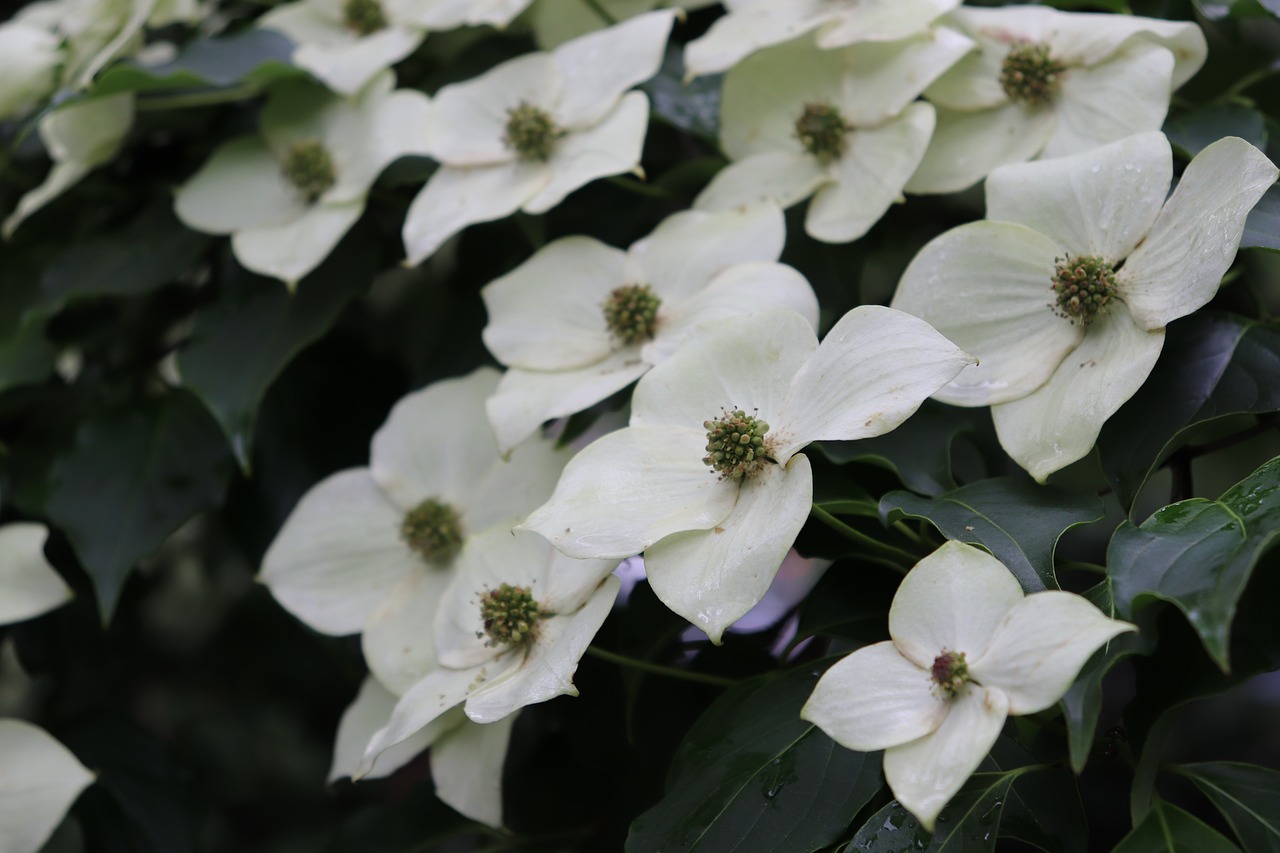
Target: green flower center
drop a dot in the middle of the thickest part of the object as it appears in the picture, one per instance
(821, 130)
(1029, 75)
(309, 167)
(1084, 286)
(950, 672)
(510, 616)
(736, 445)
(531, 132)
(631, 313)
(433, 529)
(363, 17)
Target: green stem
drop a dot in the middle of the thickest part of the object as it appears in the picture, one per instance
(905, 529)
(905, 558)
(601, 11)
(647, 190)
(658, 669)
(205, 98)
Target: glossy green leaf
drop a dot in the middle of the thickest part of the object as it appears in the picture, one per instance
(1168, 829)
(1262, 228)
(134, 475)
(26, 354)
(1016, 520)
(241, 342)
(1198, 554)
(1194, 131)
(1043, 808)
(1213, 365)
(693, 107)
(253, 56)
(1248, 797)
(751, 775)
(1216, 10)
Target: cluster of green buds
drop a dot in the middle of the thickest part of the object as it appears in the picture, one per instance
(510, 616)
(433, 530)
(1084, 286)
(631, 313)
(531, 132)
(1029, 74)
(950, 672)
(821, 130)
(736, 445)
(363, 17)
(308, 165)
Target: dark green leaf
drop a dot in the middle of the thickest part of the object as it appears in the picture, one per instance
(1216, 10)
(26, 355)
(1016, 520)
(1248, 797)
(751, 775)
(1262, 228)
(1213, 365)
(151, 251)
(1198, 554)
(1082, 702)
(694, 106)
(241, 342)
(1168, 829)
(253, 56)
(1043, 808)
(1120, 6)
(133, 476)
(1198, 129)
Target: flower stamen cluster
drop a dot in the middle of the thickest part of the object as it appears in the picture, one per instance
(736, 445)
(950, 672)
(531, 132)
(434, 530)
(631, 313)
(821, 129)
(1029, 74)
(363, 17)
(1084, 286)
(308, 165)
(510, 615)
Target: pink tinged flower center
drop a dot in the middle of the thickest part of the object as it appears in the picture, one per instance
(1029, 75)
(308, 165)
(363, 17)
(433, 530)
(531, 132)
(1083, 287)
(821, 130)
(631, 313)
(510, 615)
(736, 445)
(950, 672)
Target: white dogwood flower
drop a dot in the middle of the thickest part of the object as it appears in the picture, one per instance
(288, 195)
(509, 632)
(39, 780)
(581, 320)
(372, 549)
(29, 60)
(968, 649)
(1048, 83)
(345, 43)
(1063, 292)
(708, 480)
(840, 125)
(754, 24)
(527, 133)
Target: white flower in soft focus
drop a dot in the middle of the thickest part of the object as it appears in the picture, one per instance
(344, 43)
(554, 22)
(39, 780)
(581, 320)
(1063, 292)
(708, 480)
(525, 134)
(79, 138)
(508, 632)
(754, 24)
(92, 32)
(1047, 84)
(289, 194)
(967, 650)
(29, 61)
(840, 125)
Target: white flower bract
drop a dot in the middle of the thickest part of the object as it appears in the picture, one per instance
(967, 650)
(1053, 381)
(548, 317)
(712, 544)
